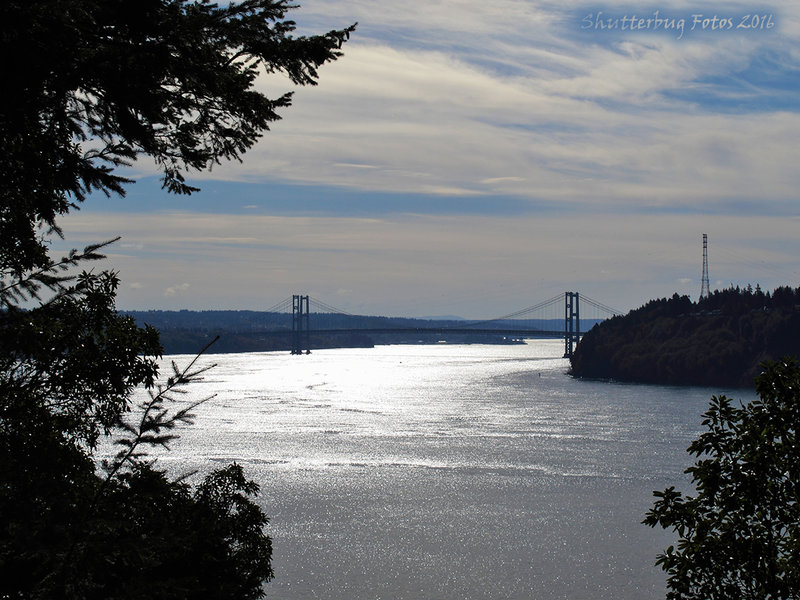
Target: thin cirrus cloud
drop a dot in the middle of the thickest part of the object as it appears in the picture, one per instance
(469, 120)
(476, 265)
(604, 118)
(460, 98)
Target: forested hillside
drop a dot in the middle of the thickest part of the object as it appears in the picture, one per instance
(185, 331)
(719, 340)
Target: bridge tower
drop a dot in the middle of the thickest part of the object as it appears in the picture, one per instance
(301, 343)
(572, 322)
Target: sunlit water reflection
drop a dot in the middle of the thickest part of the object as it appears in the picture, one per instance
(447, 472)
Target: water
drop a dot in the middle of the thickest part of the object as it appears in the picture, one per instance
(447, 472)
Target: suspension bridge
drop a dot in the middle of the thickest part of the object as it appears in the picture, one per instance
(560, 316)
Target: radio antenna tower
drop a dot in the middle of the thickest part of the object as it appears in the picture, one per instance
(704, 291)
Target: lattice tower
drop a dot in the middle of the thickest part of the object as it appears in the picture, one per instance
(704, 291)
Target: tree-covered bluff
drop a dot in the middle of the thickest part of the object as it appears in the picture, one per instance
(719, 340)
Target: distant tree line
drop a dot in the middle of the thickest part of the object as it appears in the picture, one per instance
(183, 331)
(720, 340)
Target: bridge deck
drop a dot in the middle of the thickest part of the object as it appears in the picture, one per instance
(442, 330)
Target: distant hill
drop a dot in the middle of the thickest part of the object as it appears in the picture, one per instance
(185, 331)
(718, 341)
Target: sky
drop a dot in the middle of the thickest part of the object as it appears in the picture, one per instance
(475, 158)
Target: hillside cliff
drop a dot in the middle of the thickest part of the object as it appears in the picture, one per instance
(719, 341)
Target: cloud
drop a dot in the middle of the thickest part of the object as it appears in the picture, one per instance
(465, 98)
(625, 128)
(175, 290)
(487, 153)
(134, 246)
(494, 180)
(478, 266)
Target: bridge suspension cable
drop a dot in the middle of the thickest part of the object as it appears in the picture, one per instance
(284, 305)
(316, 303)
(525, 311)
(600, 305)
(541, 319)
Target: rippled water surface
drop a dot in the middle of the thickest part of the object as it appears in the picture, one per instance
(447, 472)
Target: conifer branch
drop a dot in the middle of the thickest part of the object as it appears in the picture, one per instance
(156, 423)
(27, 287)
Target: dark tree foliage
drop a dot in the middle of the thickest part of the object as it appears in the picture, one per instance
(739, 536)
(78, 357)
(97, 83)
(93, 85)
(71, 530)
(719, 340)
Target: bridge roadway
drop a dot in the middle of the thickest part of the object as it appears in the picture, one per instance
(532, 333)
(441, 330)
